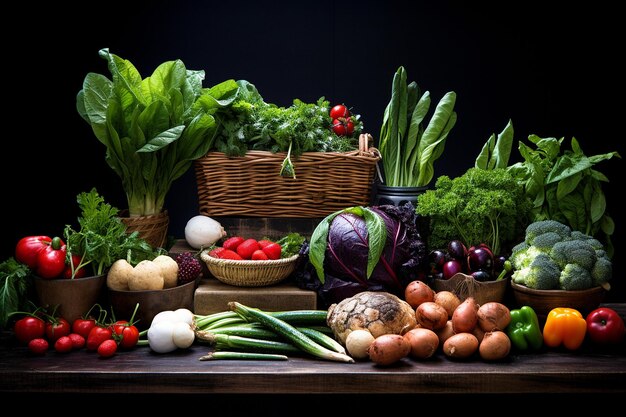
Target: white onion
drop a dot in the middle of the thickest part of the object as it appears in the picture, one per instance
(203, 231)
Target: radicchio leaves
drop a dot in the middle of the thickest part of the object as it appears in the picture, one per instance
(345, 258)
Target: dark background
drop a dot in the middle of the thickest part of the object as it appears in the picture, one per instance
(553, 72)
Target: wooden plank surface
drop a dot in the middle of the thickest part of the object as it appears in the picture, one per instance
(589, 370)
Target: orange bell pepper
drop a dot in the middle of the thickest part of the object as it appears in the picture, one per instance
(564, 326)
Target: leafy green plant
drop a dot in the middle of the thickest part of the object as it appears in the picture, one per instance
(409, 148)
(153, 128)
(15, 282)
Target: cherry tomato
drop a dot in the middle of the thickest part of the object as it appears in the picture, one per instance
(56, 328)
(38, 346)
(343, 128)
(83, 326)
(605, 326)
(63, 344)
(339, 111)
(29, 328)
(128, 332)
(78, 342)
(97, 335)
(107, 348)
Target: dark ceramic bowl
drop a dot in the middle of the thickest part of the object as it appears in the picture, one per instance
(73, 297)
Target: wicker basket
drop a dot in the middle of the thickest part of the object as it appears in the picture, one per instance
(153, 229)
(251, 185)
(465, 286)
(248, 273)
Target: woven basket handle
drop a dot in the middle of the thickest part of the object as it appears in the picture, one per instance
(364, 145)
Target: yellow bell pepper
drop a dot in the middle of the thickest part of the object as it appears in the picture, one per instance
(564, 326)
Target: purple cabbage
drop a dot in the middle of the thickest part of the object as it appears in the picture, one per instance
(346, 255)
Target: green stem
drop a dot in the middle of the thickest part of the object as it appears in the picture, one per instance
(242, 355)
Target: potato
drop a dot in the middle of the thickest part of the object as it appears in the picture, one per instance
(431, 315)
(460, 345)
(118, 275)
(465, 316)
(418, 292)
(424, 342)
(146, 276)
(496, 345)
(447, 300)
(388, 349)
(169, 270)
(493, 316)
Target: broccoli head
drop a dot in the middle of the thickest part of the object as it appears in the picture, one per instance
(577, 252)
(575, 277)
(523, 255)
(602, 271)
(544, 226)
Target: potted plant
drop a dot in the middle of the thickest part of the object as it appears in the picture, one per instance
(153, 129)
(408, 147)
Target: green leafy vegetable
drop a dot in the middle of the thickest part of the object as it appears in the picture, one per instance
(102, 238)
(408, 148)
(14, 287)
(152, 128)
(250, 123)
(497, 150)
(291, 244)
(480, 206)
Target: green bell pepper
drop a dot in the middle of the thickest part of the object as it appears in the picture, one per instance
(524, 330)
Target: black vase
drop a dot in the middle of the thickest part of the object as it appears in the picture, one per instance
(397, 196)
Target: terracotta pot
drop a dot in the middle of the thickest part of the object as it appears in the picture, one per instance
(74, 297)
(153, 228)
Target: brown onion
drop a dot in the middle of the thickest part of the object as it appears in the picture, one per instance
(448, 300)
(465, 316)
(431, 315)
(424, 342)
(461, 345)
(496, 345)
(493, 316)
(418, 292)
(388, 348)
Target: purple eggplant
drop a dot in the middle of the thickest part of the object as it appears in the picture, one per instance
(479, 259)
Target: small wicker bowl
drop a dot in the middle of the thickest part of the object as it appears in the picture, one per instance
(542, 301)
(247, 273)
(465, 286)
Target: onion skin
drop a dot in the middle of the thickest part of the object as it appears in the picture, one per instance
(388, 349)
(431, 315)
(448, 300)
(424, 342)
(465, 316)
(495, 346)
(418, 292)
(460, 345)
(493, 316)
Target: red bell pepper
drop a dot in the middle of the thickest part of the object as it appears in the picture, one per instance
(51, 260)
(28, 249)
(78, 270)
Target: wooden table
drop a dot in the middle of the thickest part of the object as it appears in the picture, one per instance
(588, 371)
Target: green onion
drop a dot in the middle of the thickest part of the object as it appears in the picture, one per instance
(242, 355)
(295, 336)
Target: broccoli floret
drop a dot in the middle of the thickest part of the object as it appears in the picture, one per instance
(545, 241)
(544, 226)
(578, 235)
(602, 271)
(575, 277)
(573, 252)
(601, 253)
(523, 256)
(595, 244)
(540, 274)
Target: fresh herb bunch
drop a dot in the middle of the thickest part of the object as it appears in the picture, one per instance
(480, 206)
(14, 287)
(250, 123)
(102, 238)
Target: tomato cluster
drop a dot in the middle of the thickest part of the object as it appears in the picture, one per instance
(40, 333)
(342, 123)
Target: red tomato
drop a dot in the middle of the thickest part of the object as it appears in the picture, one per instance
(63, 344)
(97, 336)
(29, 328)
(232, 242)
(339, 111)
(83, 326)
(38, 346)
(343, 128)
(259, 255)
(56, 328)
(247, 248)
(128, 332)
(605, 326)
(273, 250)
(264, 242)
(107, 348)
(78, 342)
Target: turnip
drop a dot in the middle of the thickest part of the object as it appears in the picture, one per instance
(203, 231)
(357, 343)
